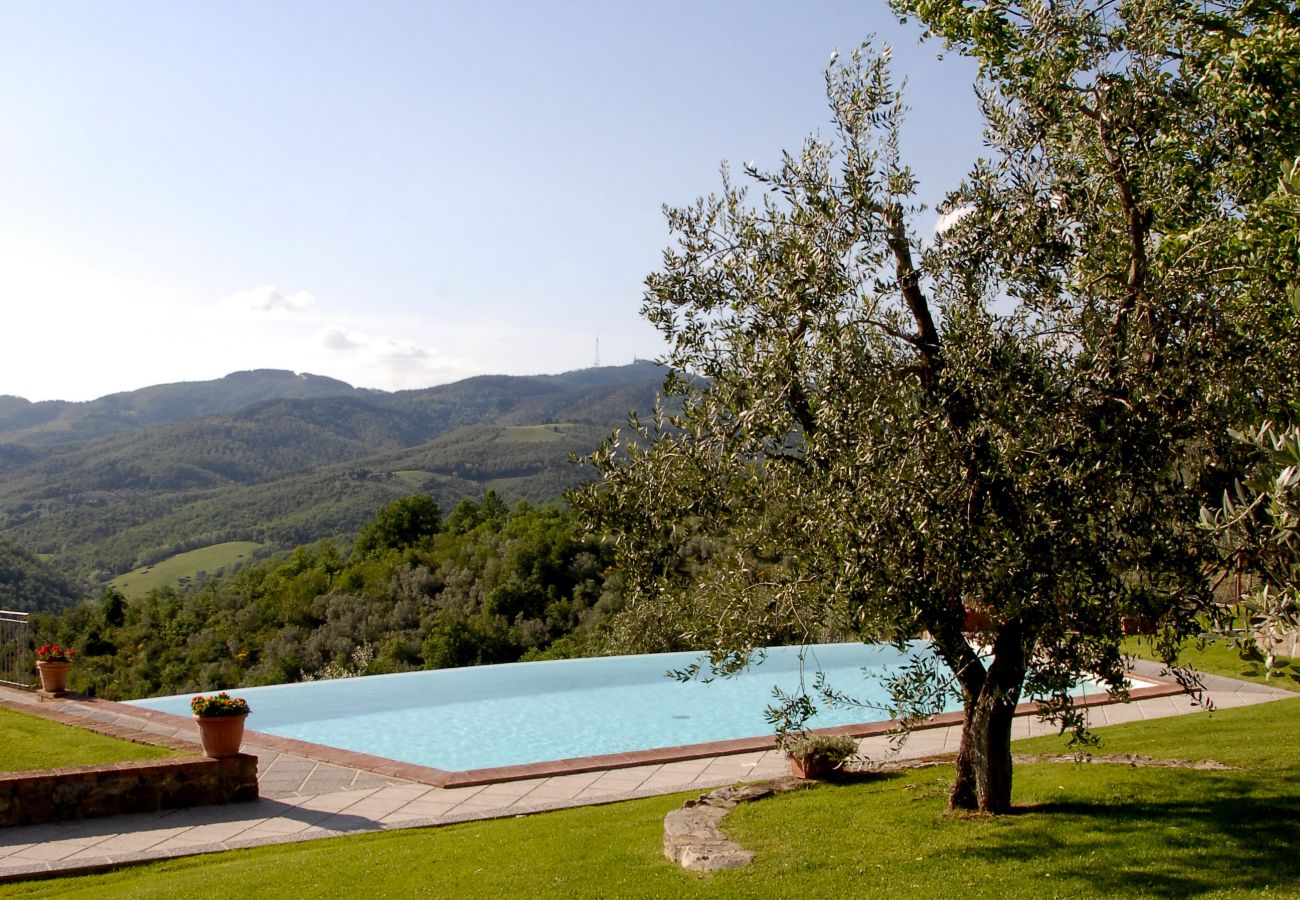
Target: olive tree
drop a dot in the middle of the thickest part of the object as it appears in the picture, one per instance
(1010, 426)
(1258, 528)
(1257, 523)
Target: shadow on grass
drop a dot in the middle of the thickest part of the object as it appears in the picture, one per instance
(1282, 671)
(1225, 840)
(1254, 666)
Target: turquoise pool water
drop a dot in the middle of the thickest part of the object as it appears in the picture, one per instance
(486, 716)
(503, 715)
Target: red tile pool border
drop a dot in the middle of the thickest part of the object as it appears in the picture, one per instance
(1159, 687)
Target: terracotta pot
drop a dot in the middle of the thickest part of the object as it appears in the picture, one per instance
(810, 768)
(221, 735)
(54, 675)
(1137, 624)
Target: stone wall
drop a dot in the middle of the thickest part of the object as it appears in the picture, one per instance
(30, 798)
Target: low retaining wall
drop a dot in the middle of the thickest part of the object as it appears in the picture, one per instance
(53, 795)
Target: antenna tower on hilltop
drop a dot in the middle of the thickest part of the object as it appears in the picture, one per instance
(596, 364)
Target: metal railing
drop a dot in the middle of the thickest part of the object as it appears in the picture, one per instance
(15, 649)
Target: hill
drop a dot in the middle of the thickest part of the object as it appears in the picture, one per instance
(53, 423)
(286, 471)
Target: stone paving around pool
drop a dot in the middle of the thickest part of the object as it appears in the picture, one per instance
(304, 799)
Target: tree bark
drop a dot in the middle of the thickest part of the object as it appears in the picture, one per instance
(983, 781)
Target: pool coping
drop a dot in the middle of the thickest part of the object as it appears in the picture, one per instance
(443, 778)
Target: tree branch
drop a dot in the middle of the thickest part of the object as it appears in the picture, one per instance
(909, 285)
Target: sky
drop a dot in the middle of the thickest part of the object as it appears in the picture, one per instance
(394, 194)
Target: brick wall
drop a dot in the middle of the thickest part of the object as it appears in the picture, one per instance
(29, 798)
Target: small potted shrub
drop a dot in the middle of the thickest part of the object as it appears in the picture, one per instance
(1140, 613)
(816, 755)
(52, 665)
(220, 718)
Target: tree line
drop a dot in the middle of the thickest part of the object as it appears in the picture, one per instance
(417, 590)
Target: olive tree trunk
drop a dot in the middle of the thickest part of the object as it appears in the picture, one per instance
(983, 781)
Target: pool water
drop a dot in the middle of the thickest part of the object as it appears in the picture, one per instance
(488, 716)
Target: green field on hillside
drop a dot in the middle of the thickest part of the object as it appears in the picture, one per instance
(209, 559)
(518, 434)
(414, 477)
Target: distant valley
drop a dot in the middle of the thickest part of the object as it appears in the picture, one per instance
(89, 491)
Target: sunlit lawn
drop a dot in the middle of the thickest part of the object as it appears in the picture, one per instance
(30, 742)
(1079, 831)
(1217, 658)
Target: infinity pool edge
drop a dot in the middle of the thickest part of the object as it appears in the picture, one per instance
(1158, 687)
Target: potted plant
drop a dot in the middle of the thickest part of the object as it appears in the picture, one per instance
(816, 755)
(220, 718)
(52, 665)
(1140, 612)
(1137, 625)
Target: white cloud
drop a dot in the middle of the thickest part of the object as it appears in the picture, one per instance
(268, 298)
(387, 362)
(338, 339)
(349, 339)
(394, 350)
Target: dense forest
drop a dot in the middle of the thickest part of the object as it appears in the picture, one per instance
(483, 584)
(28, 583)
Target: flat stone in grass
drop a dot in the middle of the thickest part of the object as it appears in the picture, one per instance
(692, 837)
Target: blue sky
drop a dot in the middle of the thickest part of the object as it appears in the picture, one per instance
(393, 194)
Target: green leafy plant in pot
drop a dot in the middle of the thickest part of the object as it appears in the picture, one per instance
(220, 718)
(816, 755)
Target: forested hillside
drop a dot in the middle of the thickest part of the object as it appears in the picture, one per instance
(483, 584)
(285, 471)
(27, 583)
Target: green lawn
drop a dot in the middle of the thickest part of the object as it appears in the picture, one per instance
(211, 559)
(1217, 658)
(30, 742)
(1080, 831)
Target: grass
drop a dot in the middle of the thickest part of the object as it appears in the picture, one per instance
(30, 742)
(507, 484)
(413, 477)
(528, 434)
(211, 559)
(1217, 658)
(1079, 831)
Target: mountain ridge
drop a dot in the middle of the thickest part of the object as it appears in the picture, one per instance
(290, 470)
(46, 422)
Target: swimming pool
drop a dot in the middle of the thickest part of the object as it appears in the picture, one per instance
(520, 713)
(517, 713)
